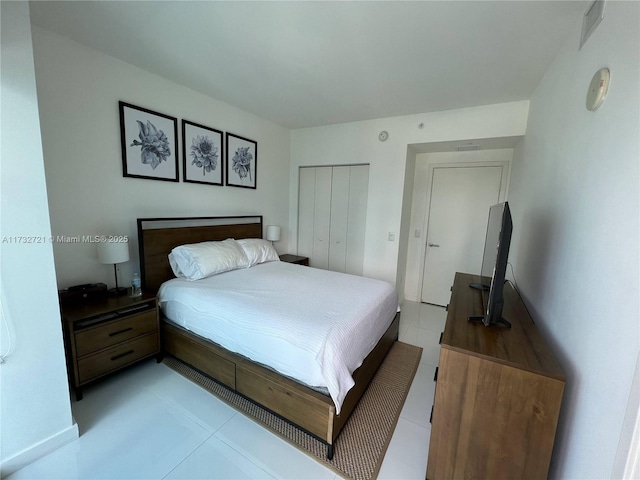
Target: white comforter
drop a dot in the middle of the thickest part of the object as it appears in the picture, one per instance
(313, 325)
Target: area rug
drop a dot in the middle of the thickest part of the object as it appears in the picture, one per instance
(360, 448)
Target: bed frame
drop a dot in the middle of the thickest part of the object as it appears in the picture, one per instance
(304, 407)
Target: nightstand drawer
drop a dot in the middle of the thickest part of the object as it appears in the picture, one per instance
(104, 336)
(116, 357)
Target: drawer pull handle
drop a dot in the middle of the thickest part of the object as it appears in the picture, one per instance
(122, 355)
(440, 341)
(435, 375)
(120, 331)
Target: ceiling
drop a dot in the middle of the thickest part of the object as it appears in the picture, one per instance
(305, 63)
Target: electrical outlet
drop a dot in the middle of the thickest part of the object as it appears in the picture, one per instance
(392, 236)
(417, 233)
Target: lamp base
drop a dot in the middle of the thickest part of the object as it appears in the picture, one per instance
(114, 292)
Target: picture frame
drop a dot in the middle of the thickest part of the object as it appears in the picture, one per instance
(202, 154)
(242, 161)
(149, 143)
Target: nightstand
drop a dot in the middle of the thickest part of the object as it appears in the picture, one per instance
(105, 336)
(294, 259)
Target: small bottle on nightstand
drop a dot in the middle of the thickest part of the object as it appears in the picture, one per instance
(136, 289)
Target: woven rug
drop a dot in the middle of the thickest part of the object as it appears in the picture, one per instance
(360, 448)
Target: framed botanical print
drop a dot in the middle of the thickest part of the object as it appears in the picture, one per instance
(149, 143)
(242, 159)
(202, 154)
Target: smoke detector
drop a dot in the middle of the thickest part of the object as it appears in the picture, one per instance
(598, 89)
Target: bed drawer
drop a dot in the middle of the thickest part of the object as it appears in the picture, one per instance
(104, 336)
(299, 405)
(195, 352)
(123, 354)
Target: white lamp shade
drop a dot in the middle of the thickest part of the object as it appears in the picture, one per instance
(112, 252)
(273, 233)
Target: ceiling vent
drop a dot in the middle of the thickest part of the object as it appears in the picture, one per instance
(591, 20)
(467, 148)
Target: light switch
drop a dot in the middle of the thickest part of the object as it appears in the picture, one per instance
(392, 236)
(417, 233)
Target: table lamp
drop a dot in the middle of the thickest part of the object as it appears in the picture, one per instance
(273, 233)
(114, 252)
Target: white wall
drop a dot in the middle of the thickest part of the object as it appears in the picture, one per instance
(420, 204)
(35, 411)
(574, 196)
(405, 221)
(358, 142)
(78, 93)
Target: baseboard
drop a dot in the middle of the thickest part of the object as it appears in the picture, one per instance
(38, 450)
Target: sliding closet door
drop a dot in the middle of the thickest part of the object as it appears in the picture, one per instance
(306, 205)
(358, 194)
(332, 210)
(339, 218)
(322, 219)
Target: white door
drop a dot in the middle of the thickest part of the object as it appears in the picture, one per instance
(457, 224)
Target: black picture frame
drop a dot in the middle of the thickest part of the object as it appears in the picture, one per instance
(202, 154)
(149, 143)
(242, 161)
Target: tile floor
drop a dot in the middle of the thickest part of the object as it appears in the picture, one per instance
(150, 423)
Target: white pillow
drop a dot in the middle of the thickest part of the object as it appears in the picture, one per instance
(200, 260)
(258, 250)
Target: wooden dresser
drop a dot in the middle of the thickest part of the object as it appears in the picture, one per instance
(498, 393)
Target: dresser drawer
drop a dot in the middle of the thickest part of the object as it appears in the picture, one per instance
(95, 365)
(104, 336)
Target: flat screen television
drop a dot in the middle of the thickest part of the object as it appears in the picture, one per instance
(494, 265)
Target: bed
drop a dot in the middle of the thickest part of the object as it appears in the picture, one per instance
(306, 407)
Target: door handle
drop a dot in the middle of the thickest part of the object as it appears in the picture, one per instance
(433, 245)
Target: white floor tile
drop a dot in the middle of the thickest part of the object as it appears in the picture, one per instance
(116, 391)
(410, 311)
(269, 452)
(409, 334)
(198, 404)
(417, 407)
(402, 331)
(138, 439)
(429, 341)
(214, 460)
(432, 317)
(406, 456)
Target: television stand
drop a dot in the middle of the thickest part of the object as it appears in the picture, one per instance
(480, 319)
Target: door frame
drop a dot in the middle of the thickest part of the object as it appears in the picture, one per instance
(504, 186)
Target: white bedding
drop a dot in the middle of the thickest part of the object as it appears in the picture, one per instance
(313, 325)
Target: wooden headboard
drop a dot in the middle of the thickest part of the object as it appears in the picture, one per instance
(158, 236)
